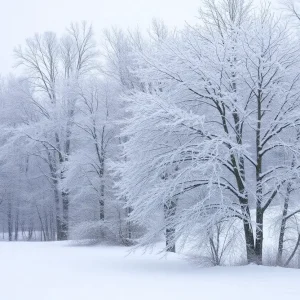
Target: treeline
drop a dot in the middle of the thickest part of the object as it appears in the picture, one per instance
(191, 136)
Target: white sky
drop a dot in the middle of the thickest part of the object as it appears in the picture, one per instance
(20, 19)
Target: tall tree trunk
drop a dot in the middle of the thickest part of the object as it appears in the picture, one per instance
(128, 224)
(57, 212)
(9, 220)
(16, 237)
(43, 235)
(30, 231)
(65, 192)
(101, 202)
(47, 235)
(101, 159)
(248, 232)
(65, 219)
(259, 235)
(53, 172)
(51, 225)
(169, 213)
(239, 174)
(259, 189)
(283, 225)
(238, 165)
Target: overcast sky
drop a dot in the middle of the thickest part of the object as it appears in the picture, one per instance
(20, 19)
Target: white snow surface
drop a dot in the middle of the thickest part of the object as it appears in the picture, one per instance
(58, 271)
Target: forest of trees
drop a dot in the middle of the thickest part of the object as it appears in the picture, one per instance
(188, 136)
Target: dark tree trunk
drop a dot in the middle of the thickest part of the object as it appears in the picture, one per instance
(248, 231)
(16, 237)
(65, 193)
(259, 215)
(128, 223)
(100, 151)
(259, 189)
(239, 172)
(238, 165)
(101, 202)
(30, 231)
(244, 203)
(57, 214)
(47, 235)
(169, 212)
(259, 236)
(43, 236)
(53, 172)
(9, 220)
(51, 225)
(283, 225)
(65, 219)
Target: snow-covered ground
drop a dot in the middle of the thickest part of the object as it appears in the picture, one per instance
(56, 271)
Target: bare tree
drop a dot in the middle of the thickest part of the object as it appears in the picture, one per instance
(54, 68)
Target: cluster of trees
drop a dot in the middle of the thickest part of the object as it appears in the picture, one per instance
(191, 136)
(58, 130)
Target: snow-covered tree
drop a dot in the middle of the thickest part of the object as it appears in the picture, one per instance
(55, 67)
(206, 135)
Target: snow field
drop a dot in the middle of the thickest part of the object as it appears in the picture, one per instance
(57, 271)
